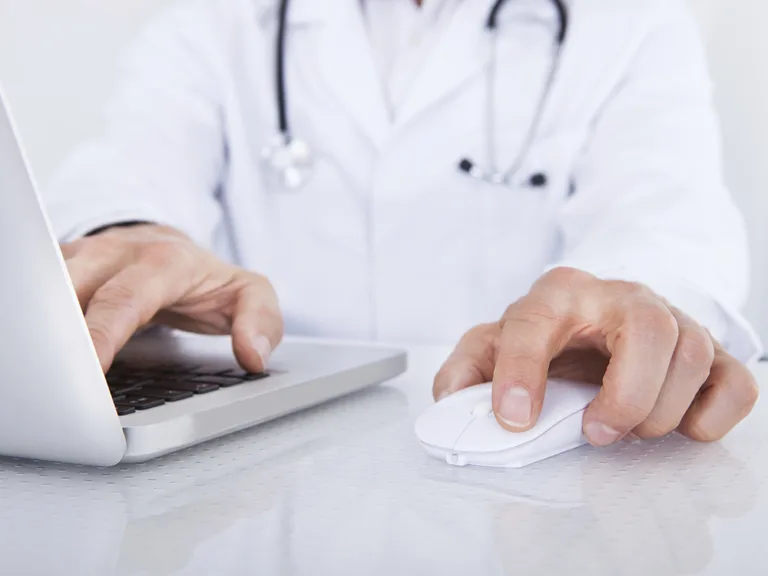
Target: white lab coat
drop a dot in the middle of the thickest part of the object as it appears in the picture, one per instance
(389, 241)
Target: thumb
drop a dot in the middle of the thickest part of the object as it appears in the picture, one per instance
(257, 327)
(471, 363)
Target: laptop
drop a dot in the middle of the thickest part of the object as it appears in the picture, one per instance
(166, 391)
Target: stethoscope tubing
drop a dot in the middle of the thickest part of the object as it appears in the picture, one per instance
(467, 166)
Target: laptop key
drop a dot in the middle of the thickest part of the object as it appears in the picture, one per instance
(122, 378)
(242, 375)
(176, 371)
(165, 394)
(167, 376)
(141, 402)
(123, 410)
(122, 390)
(223, 381)
(185, 385)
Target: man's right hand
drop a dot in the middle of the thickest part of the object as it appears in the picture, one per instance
(126, 278)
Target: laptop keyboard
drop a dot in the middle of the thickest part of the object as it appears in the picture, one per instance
(144, 388)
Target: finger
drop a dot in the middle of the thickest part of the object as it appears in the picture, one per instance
(726, 399)
(123, 304)
(70, 249)
(257, 326)
(89, 273)
(90, 263)
(641, 336)
(688, 370)
(531, 336)
(471, 362)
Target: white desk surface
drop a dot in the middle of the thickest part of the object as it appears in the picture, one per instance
(346, 489)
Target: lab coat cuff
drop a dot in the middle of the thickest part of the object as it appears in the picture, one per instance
(86, 224)
(723, 320)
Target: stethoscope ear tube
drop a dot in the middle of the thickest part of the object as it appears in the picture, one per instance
(292, 158)
(288, 157)
(494, 175)
(280, 91)
(562, 13)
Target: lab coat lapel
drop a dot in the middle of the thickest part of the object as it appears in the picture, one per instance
(461, 53)
(345, 62)
(464, 50)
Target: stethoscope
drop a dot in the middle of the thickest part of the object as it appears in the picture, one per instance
(290, 158)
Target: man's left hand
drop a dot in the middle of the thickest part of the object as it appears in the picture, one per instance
(660, 370)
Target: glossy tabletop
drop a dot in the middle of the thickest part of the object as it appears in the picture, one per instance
(346, 489)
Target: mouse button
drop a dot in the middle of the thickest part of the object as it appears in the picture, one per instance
(482, 409)
(470, 396)
(442, 424)
(485, 435)
(564, 436)
(562, 399)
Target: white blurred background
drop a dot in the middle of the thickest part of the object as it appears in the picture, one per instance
(57, 65)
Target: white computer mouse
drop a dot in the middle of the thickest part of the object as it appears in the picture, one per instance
(462, 429)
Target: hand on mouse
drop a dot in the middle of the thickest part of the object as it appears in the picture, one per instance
(660, 370)
(126, 278)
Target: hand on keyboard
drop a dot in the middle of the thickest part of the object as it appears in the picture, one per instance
(126, 278)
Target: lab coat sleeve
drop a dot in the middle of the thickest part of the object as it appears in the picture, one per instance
(162, 154)
(649, 203)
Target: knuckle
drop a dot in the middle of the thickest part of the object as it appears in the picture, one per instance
(557, 297)
(565, 276)
(275, 319)
(696, 430)
(161, 255)
(509, 312)
(528, 310)
(652, 321)
(749, 391)
(257, 285)
(114, 300)
(695, 348)
(629, 411)
(520, 341)
(656, 428)
(484, 334)
(632, 290)
(100, 334)
(265, 304)
(115, 295)
(266, 287)
(630, 406)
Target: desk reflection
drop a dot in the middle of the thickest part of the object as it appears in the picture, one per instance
(345, 489)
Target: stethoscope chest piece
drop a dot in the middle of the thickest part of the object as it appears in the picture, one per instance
(290, 159)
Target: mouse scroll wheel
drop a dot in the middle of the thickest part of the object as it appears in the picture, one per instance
(482, 409)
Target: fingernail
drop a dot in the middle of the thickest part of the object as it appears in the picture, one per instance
(516, 408)
(263, 347)
(601, 435)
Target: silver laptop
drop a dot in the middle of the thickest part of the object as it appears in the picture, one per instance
(167, 390)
